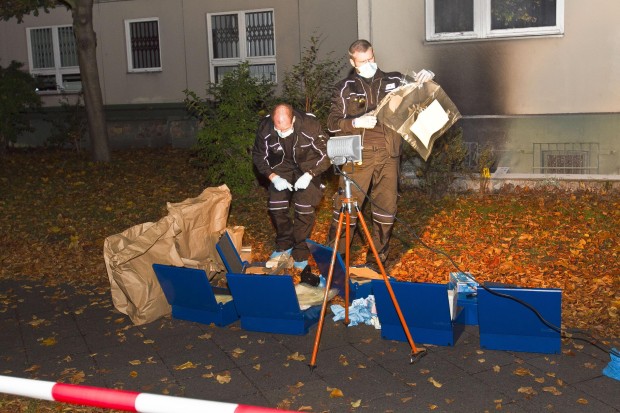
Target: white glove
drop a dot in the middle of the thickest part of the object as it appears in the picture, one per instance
(303, 181)
(365, 122)
(423, 76)
(281, 184)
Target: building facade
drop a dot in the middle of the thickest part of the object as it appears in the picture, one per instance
(538, 81)
(542, 88)
(150, 51)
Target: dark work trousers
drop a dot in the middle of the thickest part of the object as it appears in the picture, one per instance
(292, 233)
(379, 172)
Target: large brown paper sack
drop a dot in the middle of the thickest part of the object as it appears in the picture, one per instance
(197, 219)
(129, 257)
(212, 263)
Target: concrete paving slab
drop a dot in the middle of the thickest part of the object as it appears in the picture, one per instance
(601, 388)
(313, 395)
(229, 386)
(13, 361)
(472, 359)
(569, 368)
(47, 347)
(277, 373)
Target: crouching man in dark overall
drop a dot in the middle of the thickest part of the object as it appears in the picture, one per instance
(291, 151)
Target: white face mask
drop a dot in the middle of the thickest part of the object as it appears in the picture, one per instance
(286, 133)
(367, 70)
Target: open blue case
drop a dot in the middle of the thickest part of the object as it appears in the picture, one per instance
(193, 298)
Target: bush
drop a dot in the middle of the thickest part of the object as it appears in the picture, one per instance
(229, 119)
(309, 84)
(446, 160)
(70, 126)
(17, 96)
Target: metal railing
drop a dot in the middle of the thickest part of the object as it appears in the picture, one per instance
(565, 158)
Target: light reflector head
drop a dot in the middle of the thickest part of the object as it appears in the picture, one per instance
(343, 149)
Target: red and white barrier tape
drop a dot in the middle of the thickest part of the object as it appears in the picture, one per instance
(128, 401)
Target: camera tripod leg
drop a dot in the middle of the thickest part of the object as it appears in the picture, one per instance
(345, 211)
(328, 284)
(371, 244)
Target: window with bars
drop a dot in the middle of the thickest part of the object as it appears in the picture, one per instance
(242, 36)
(566, 158)
(484, 19)
(570, 162)
(143, 46)
(53, 59)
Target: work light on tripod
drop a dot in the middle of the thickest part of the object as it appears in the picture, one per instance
(343, 149)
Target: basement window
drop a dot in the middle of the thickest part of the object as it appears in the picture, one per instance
(566, 158)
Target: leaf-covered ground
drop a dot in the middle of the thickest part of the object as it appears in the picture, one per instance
(57, 208)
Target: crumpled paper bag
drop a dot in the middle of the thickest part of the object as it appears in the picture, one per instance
(420, 113)
(177, 239)
(129, 257)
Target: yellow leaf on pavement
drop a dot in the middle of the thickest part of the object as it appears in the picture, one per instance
(185, 366)
(553, 390)
(435, 382)
(223, 378)
(522, 371)
(50, 341)
(527, 390)
(36, 322)
(336, 393)
(296, 356)
(236, 353)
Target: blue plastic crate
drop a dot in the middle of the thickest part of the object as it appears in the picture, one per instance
(505, 324)
(468, 302)
(269, 304)
(322, 256)
(192, 297)
(425, 307)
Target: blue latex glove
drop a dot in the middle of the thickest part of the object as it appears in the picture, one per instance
(303, 181)
(281, 184)
(613, 368)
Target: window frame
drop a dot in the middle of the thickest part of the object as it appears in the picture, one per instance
(258, 60)
(58, 70)
(482, 25)
(130, 63)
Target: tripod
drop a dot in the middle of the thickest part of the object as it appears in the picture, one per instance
(348, 203)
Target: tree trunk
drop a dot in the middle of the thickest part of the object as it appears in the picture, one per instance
(86, 39)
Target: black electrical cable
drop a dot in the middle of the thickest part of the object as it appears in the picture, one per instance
(591, 340)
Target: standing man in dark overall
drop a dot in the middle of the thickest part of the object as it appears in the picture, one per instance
(291, 151)
(352, 99)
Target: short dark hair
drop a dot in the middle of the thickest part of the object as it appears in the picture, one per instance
(359, 45)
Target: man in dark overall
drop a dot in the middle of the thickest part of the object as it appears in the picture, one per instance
(291, 151)
(352, 99)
